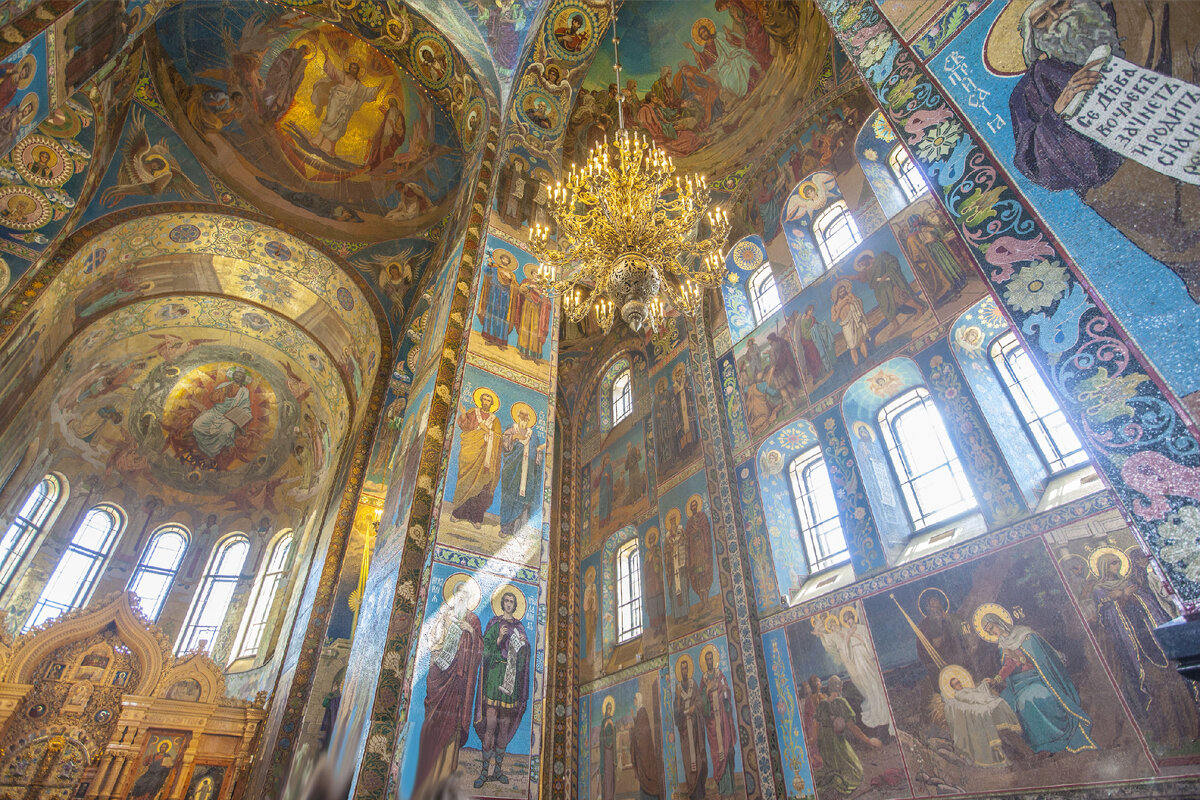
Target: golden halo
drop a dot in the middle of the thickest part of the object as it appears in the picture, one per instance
(522, 406)
(1003, 50)
(652, 537)
(42, 148)
(609, 705)
(859, 427)
(831, 622)
(673, 514)
(503, 256)
(852, 611)
(981, 612)
(705, 23)
(29, 107)
(691, 666)
(518, 595)
(950, 672)
(589, 574)
(1100, 552)
(716, 654)
(478, 394)
(470, 587)
(843, 282)
(921, 599)
(31, 61)
(698, 499)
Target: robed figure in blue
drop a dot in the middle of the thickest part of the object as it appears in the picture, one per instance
(1033, 680)
(522, 454)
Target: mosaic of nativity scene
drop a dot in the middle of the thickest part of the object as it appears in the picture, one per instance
(302, 466)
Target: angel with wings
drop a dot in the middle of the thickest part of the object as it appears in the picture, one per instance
(148, 169)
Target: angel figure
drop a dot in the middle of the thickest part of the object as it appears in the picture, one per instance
(148, 169)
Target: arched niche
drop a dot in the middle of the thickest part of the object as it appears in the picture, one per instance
(875, 141)
(774, 456)
(746, 256)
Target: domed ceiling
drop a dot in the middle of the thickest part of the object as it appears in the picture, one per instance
(711, 82)
(173, 392)
(319, 127)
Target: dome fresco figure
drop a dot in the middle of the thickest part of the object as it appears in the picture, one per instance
(321, 452)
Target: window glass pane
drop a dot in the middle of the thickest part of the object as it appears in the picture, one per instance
(622, 397)
(931, 478)
(72, 580)
(906, 173)
(820, 526)
(1044, 420)
(156, 571)
(836, 232)
(764, 293)
(264, 600)
(212, 601)
(26, 526)
(629, 592)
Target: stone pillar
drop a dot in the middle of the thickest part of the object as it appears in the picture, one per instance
(749, 679)
(1141, 440)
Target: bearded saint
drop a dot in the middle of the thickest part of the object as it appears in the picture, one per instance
(1156, 212)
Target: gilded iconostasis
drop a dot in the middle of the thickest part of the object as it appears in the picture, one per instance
(300, 461)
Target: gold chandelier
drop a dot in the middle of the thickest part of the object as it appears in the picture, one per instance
(629, 233)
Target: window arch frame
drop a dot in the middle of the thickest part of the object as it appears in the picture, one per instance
(815, 526)
(620, 396)
(1040, 432)
(143, 568)
(837, 214)
(85, 583)
(629, 600)
(29, 526)
(762, 285)
(906, 173)
(888, 420)
(266, 591)
(194, 625)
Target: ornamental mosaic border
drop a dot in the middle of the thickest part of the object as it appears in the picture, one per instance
(1129, 420)
(1031, 527)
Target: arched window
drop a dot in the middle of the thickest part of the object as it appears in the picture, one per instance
(622, 397)
(820, 527)
(72, 580)
(836, 232)
(1045, 421)
(931, 478)
(216, 592)
(629, 592)
(157, 568)
(906, 173)
(264, 596)
(27, 526)
(764, 294)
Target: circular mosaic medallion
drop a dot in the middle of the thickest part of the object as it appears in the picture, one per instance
(573, 29)
(345, 299)
(540, 112)
(182, 234)
(43, 161)
(472, 122)
(24, 208)
(747, 255)
(278, 251)
(431, 59)
(102, 716)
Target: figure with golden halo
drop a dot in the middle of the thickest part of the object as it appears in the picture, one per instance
(645, 753)
(529, 315)
(478, 458)
(689, 721)
(656, 601)
(496, 297)
(455, 650)
(718, 720)
(698, 534)
(635, 479)
(857, 654)
(1126, 615)
(608, 751)
(503, 680)
(945, 632)
(522, 455)
(591, 608)
(1034, 681)
(976, 716)
(1155, 211)
(675, 557)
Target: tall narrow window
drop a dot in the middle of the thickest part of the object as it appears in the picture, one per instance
(157, 569)
(931, 477)
(216, 592)
(836, 232)
(1045, 421)
(622, 397)
(27, 526)
(764, 294)
(264, 596)
(820, 527)
(73, 579)
(906, 173)
(629, 592)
